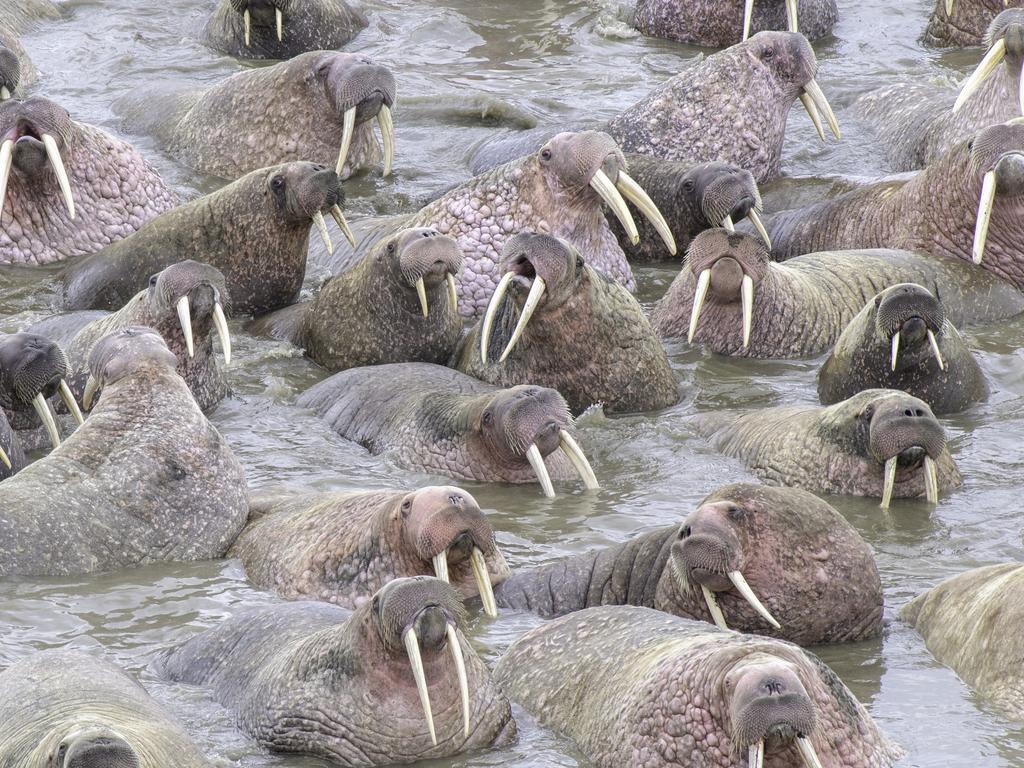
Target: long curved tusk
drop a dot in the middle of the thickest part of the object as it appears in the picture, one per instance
(483, 582)
(5, 459)
(931, 481)
(817, 95)
(185, 320)
(69, 400)
(280, 24)
(703, 282)
(578, 459)
(247, 21)
(812, 112)
(728, 226)
(6, 160)
(807, 753)
(736, 577)
(935, 350)
(608, 192)
(60, 172)
(387, 135)
(638, 197)
(421, 291)
(985, 203)
(714, 607)
(888, 482)
(747, 300)
(759, 226)
(988, 64)
(791, 16)
(492, 311)
(412, 649)
(532, 300)
(537, 462)
(460, 673)
(1020, 90)
(755, 755)
(321, 227)
(221, 324)
(895, 350)
(91, 385)
(348, 128)
(453, 293)
(441, 566)
(748, 15)
(46, 416)
(346, 230)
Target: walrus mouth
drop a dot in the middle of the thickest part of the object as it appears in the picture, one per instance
(895, 349)
(748, 594)
(339, 217)
(791, 16)
(387, 135)
(25, 133)
(39, 388)
(755, 753)
(753, 218)
(220, 323)
(746, 303)
(480, 574)
(626, 187)
(911, 455)
(411, 641)
(524, 270)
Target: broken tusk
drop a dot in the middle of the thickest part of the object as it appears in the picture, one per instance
(703, 282)
(460, 673)
(69, 400)
(985, 203)
(747, 300)
(714, 607)
(888, 482)
(578, 459)
(346, 230)
(387, 135)
(759, 226)
(949, 7)
(60, 172)
(537, 462)
(931, 481)
(412, 648)
(817, 95)
(529, 307)
(321, 227)
(638, 197)
(46, 416)
(988, 64)
(483, 582)
(453, 293)
(895, 350)
(736, 577)
(348, 128)
(608, 192)
(221, 324)
(421, 291)
(441, 566)
(185, 321)
(491, 312)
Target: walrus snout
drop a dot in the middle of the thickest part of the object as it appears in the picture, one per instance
(10, 72)
(30, 365)
(1008, 25)
(102, 750)
(904, 432)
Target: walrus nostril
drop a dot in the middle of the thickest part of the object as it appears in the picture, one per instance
(684, 532)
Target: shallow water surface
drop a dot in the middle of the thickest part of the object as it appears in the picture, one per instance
(464, 70)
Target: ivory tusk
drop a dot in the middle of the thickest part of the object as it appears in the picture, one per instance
(714, 607)
(91, 385)
(247, 21)
(638, 197)
(985, 203)
(453, 293)
(321, 227)
(4, 458)
(992, 59)
(949, 7)
(817, 95)
(935, 350)
(69, 400)
(608, 192)
(346, 230)
(578, 459)
(4, 93)
(895, 350)
(441, 566)
(6, 160)
(348, 128)
(728, 226)
(747, 299)
(60, 172)
(537, 462)
(220, 322)
(755, 755)
(421, 291)
(185, 320)
(736, 577)
(791, 16)
(803, 744)
(483, 582)
(532, 300)
(280, 24)
(931, 481)
(412, 648)
(387, 135)
(703, 282)
(1020, 90)
(759, 226)
(888, 482)
(748, 15)
(492, 311)
(460, 672)
(812, 112)
(46, 416)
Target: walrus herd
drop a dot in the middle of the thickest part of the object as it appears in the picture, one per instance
(492, 335)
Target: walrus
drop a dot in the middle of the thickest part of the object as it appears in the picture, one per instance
(968, 204)
(314, 679)
(68, 709)
(716, 24)
(970, 622)
(731, 297)
(902, 340)
(281, 29)
(343, 547)
(958, 23)
(255, 231)
(146, 478)
(319, 107)
(67, 188)
(397, 305)
(919, 121)
(775, 561)
(434, 419)
(184, 303)
(554, 321)
(16, 70)
(634, 686)
(879, 442)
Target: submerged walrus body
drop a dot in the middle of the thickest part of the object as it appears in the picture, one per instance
(718, 23)
(966, 23)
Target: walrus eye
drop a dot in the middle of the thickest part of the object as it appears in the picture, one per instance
(61, 754)
(153, 279)
(391, 247)
(277, 183)
(545, 154)
(970, 145)
(688, 185)
(487, 418)
(375, 605)
(736, 514)
(867, 413)
(406, 507)
(768, 53)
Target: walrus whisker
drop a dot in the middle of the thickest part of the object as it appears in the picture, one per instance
(348, 128)
(321, 227)
(529, 307)
(755, 755)
(988, 64)
(703, 283)
(935, 350)
(46, 416)
(888, 482)
(985, 203)
(713, 607)
(931, 481)
(421, 291)
(747, 300)
(221, 324)
(791, 16)
(895, 350)
(280, 24)
(807, 753)
(537, 462)
(453, 292)
(460, 673)
(4, 458)
(611, 195)
(728, 225)
(91, 385)
(247, 22)
(636, 195)
(748, 15)
(483, 582)
(59, 171)
(491, 312)
(185, 321)
(736, 577)
(440, 562)
(817, 97)
(387, 135)
(578, 459)
(69, 400)
(759, 226)
(339, 217)
(412, 648)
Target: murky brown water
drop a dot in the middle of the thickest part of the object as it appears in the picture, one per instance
(515, 63)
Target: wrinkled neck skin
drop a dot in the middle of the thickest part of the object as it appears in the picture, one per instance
(968, 24)
(717, 24)
(34, 225)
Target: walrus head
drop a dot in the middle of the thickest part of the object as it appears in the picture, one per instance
(423, 259)
(122, 353)
(190, 296)
(909, 320)
(963, 22)
(93, 748)
(723, 193)
(32, 369)
(10, 72)
(1005, 42)
(997, 159)
(303, 191)
(36, 145)
(264, 15)
(444, 526)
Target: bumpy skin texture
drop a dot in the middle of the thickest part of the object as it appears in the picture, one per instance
(971, 623)
(287, 112)
(16, 70)
(115, 190)
(588, 337)
(916, 121)
(632, 686)
(806, 564)
(68, 698)
(21, 15)
(308, 25)
(731, 108)
(802, 306)
(831, 449)
(342, 547)
(255, 231)
(717, 24)
(433, 419)
(371, 314)
(147, 478)
(968, 23)
(862, 358)
(314, 679)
